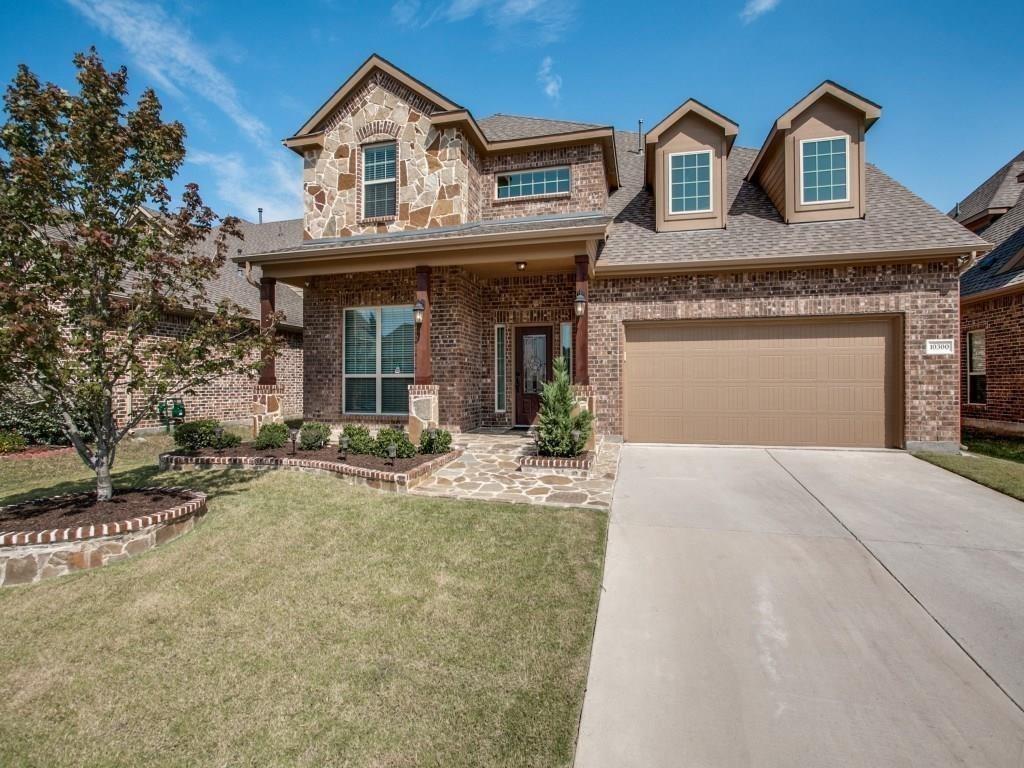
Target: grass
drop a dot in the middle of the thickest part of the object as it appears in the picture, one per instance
(304, 623)
(996, 461)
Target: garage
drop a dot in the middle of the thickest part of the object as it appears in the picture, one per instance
(801, 382)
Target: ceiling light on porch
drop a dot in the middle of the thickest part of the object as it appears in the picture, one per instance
(520, 265)
(417, 311)
(580, 303)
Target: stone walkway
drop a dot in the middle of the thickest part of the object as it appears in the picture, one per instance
(488, 471)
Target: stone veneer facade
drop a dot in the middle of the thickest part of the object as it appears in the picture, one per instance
(229, 398)
(1001, 319)
(442, 180)
(926, 294)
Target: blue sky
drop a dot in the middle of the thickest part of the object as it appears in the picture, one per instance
(243, 76)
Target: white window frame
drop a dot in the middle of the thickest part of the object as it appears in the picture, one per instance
(500, 352)
(800, 176)
(970, 358)
(380, 375)
(497, 176)
(365, 183)
(711, 181)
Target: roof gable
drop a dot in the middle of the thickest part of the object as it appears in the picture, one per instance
(729, 127)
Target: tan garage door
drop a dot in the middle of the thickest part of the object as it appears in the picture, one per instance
(764, 382)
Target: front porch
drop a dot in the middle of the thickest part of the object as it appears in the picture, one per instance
(488, 470)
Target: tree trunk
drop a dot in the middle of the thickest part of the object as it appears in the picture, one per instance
(104, 485)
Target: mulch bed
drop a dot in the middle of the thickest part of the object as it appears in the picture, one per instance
(83, 509)
(330, 453)
(35, 451)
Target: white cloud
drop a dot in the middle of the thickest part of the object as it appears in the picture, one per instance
(163, 48)
(756, 8)
(550, 81)
(549, 18)
(275, 188)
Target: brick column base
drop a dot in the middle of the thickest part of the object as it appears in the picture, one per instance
(586, 400)
(423, 409)
(267, 405)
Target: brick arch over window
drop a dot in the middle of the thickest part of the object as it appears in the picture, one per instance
(377, 130)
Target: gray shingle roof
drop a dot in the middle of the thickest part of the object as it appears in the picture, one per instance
(1000, 190)
(1008, 234)
(501, 127)
(896, 220)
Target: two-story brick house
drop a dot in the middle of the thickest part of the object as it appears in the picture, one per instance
(703, 292)
(992, 304)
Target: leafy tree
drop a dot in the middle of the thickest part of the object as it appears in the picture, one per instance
(557, 422)
(92, 257)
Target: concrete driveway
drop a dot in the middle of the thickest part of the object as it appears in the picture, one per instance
(806, 608)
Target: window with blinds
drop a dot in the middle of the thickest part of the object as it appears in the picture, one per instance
(379, 344)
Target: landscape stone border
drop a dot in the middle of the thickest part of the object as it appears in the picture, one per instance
(30, 556)
(579, 466)
(395, 482)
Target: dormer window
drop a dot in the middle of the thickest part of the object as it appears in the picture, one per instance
(824, 170)
(550, 181)
(379, 180)
(690, 182)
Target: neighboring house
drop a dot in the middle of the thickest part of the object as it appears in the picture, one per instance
(703, 292)
(992, 303)
(228, 397)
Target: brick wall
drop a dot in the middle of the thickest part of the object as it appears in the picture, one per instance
(1002, 320)
(229, 398)
(927, 294)
(589, 188)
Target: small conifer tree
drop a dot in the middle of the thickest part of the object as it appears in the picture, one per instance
(560, 432)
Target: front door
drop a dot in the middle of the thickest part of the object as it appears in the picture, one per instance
(533, 368)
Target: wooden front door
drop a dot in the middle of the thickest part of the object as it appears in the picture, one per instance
(533, 368)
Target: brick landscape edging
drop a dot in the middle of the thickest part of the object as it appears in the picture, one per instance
(30, 556)
(398, 482)
(543, 465)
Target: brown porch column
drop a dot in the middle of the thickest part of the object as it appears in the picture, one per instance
(268, 295)
(424, 373)
(581, 366)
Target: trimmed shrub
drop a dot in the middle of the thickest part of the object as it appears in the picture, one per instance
(38, 424)
(273, 435)
(556, 421)
(435, 441)
(313, 436)
(403, 445)
(11, 442)
(202, 433)
(359, 440)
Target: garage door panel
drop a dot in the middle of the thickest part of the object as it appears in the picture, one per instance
(763, 382)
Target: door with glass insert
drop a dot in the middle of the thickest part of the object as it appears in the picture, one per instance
(533, 369)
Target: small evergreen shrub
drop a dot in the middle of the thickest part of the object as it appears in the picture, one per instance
(10, 442)
(202, 433)
(313, 436)
(435, 441)
(359, 440)
(403, 445)
(272, 435)
(556, 421)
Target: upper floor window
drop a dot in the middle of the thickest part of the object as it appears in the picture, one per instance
(690, 182)
(824, 170)
(379, 180)
(976, 382)
(550, 181)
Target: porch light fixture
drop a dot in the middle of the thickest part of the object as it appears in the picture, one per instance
(520, 265)
(417, 311)
(580, 303)
(294, 432)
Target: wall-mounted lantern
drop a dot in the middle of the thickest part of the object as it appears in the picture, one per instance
(580, 304)
(417, 311)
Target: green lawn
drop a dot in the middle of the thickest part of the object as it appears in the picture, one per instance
(305, 623)
(992, 460)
